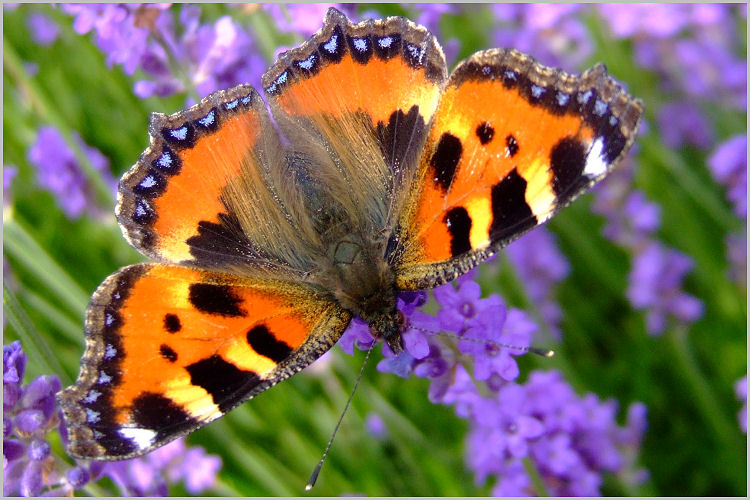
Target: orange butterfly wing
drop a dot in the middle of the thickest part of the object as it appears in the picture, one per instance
(171, 204)
(362, 94)
(512, 142)
(169, 349)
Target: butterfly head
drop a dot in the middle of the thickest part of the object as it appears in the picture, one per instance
(364, 284)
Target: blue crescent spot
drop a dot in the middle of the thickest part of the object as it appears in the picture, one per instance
(148, 182)
(165, 160)
(510, 74)
(307, 63)
(415, 52)
(110, 352)
(232, 104)
(331, 45)
(385, 42)
(562, 98)
(179, 133)
(104, 378)
(600, 107)
(537, 91)
(247, 99)
(584, 98)
(207, 120)
(360, 44)
(92, 416)
(92, 396)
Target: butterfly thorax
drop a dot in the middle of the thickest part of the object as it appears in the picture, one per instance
(363, 283)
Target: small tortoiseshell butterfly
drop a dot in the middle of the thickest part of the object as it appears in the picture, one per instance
(374, 173)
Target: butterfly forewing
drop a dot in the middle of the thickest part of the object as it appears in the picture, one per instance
(512, 142)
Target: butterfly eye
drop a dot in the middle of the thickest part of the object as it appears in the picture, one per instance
(390, 247)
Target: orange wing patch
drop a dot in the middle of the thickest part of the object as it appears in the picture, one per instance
(377, 67)
(170, 349)
(177, 183)
(512, 142)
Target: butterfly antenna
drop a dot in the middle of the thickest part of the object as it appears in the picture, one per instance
(316, 472)
(539, 351)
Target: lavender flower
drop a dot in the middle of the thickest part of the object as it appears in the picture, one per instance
(570, 440)
(9, 173)
(213, 57)
(655, 280)
(118, 29)
(631, 218)
(29, 413)
(740, 389)
(302, 18)
(540, 266)
(552, 33)
(43, 30)
(683, 123)
(149, 475)
(429, 16)
(176, 56)
(376, 426)
(58, 170)
(30, 469)
(737, 258)
(692, 47)
(728, 164)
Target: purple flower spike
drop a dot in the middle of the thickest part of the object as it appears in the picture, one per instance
(682, 123)
(77, 477)
(184, 54)
(13, 449)
(728, 163)
(655, 281)
(737, 258)
(29, 421)
(14, 365)
(552, 33)
(58, 170)
(462, 306)
(740, 389)
(401, 365)
(357, 334)
(43, 30)
(302, 18)
(541, 266)
(199, 470)
(512, 331)
(39, 450)
(375, 425)
(32, 480)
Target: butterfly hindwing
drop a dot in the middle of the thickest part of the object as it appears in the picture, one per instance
(169, 349)
(512, 142)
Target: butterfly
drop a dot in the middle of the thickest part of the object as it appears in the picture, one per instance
(367, 171)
